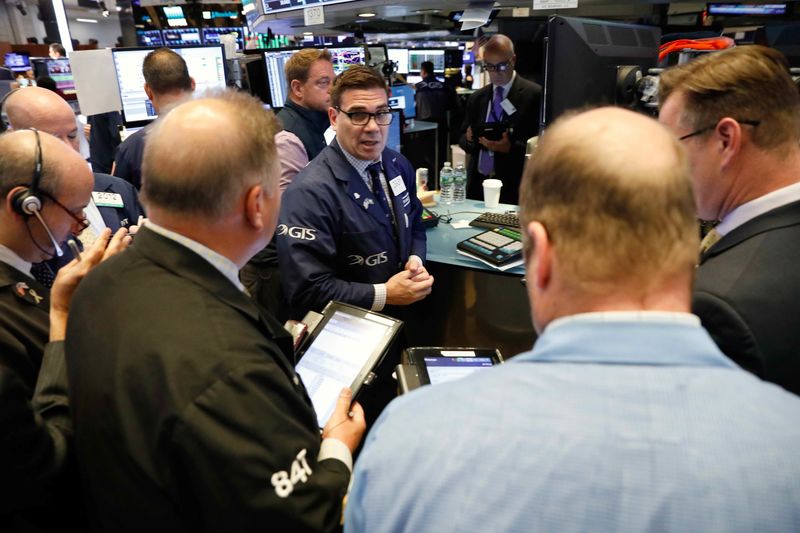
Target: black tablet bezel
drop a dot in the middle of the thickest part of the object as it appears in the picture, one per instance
(417, 358)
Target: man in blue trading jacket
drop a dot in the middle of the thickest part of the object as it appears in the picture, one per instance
(114, 203)
(625, 416)
(349, 228)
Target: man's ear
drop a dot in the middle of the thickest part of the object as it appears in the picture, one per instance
(540, 259)
(296, 88)
(193, 84)
(148, 91)
(254, 207)
(728, 134)
(332, 116)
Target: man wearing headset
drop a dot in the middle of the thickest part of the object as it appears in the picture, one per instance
(113, 203)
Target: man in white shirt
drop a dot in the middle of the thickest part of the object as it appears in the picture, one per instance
(737, 113)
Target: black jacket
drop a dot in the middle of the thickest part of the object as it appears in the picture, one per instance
(746, 294)
(188, 415)
(307, 124)
(526, 97)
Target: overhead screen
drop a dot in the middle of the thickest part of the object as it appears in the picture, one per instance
(206, 66)
(417, 57)
(399, 56)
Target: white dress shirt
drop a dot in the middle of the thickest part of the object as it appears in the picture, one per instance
(10, 257)
(750, 210)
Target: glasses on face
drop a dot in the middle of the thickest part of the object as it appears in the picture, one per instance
(361, 118)
(497, 67)
(79, 219)
(753, 123)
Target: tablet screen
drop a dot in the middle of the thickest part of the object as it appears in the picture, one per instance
(444, 369)
(337, 355)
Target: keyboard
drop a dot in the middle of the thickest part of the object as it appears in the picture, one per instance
(496, 220)
(498, 246)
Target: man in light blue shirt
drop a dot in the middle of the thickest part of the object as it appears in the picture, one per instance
(625, 416)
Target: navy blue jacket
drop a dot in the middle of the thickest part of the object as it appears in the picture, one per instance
(334, 241)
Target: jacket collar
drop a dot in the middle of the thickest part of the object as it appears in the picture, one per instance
(781, 217)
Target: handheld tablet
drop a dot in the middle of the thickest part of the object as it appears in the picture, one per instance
(431, 366)
(491, 130)
(342, 352)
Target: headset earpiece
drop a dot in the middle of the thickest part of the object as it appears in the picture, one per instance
(25, 203)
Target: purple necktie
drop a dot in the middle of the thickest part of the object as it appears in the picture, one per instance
(486, 158)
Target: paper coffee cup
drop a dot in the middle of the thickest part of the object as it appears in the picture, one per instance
(491, 192)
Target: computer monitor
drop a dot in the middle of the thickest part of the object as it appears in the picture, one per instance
(211, 35)
(61, 72)
(582, 59)
(395, 138)
(274, 61)
(206, 65)
(402, 96)
(182, 37)
(377, 55)
(761, 10)
(174, 15)
(399, 56)
(149, 38)
(417, 56)
(346, 56)
(17, 62)
(413, 79)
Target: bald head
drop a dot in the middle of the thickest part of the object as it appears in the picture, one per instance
(499, 59)
(65, 177)
(499, 44)
(612, 188)
(202, 156)
(35, 107)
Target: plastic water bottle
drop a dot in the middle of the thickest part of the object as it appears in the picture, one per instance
(459, 184)
(446, 184)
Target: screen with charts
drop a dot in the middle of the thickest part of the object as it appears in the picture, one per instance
(276, 77)
(417, 57)
(345, 57)
(206, 65)
(211, 35)
(61, 72)
(337, 356)
(395, 132)
(149, 38)
(17, 62)
(182, 37)
(399, 56)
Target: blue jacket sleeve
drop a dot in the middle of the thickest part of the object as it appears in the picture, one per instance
(306, 237)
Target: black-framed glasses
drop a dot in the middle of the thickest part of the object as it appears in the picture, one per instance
(81, 219)
(753, 123)
(361, 118)
(497, 67)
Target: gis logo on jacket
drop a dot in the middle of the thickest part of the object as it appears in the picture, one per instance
(372, 260)
(296, 232)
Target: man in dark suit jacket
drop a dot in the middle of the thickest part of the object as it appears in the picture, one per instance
(193, 419)
(738, 113)
(509, 99)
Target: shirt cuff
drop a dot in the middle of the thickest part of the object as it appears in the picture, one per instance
(335, 449)
(379, 302)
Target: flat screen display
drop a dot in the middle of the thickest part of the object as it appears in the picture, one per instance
(149, 38)
(345, 57)
(276, 77)
(405, 99)
(747, 9)
(399, 56)
(417, 57)
(206, 65)
(17, 62)
(444, 369)
(211, 35)
(337, 356)
(182, 37)
(61, 72)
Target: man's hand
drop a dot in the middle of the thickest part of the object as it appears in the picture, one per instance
(347, 422)
(469, 134)
(71, 274)
(133, 230)
(503, 145)
(404, 288)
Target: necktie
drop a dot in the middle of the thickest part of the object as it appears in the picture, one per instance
(42, 273)
(374, 171)
(709, 240)
(486, 158)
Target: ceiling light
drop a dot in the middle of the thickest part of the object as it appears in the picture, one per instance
(91, 21)
(308, 33)
(366, 15)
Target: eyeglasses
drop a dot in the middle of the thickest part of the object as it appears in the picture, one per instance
(753, 123)
(81, 219)
(361, 118)
(499, 67)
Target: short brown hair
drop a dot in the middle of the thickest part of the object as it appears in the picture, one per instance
(355, 77)
(613, 221)
(17, 160)
(746, 83)
(297, 67)
(165, 72)
(206, 178)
